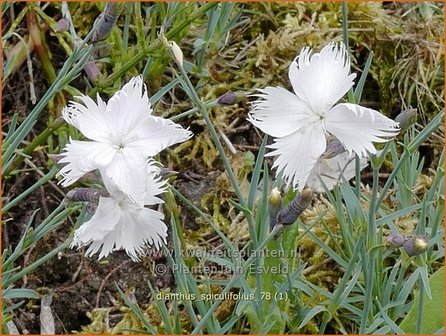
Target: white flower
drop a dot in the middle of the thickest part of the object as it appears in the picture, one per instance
(123, 133)
(119, 223)
(332, 171)
(301, 121)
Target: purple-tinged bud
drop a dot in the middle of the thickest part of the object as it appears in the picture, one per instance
(395, 240)
(295, 208)
(92, 71)
(334, 148)
(416, 245)
(106, 21)
(85, 195)
(228, 98)
(62, 25)
(274, 206)
(406, 119)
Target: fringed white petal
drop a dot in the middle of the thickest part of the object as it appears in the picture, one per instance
(120, 225)
(155, 185)
(321, 79)
(297, 154)
(331, 171)
(153, 134)
(128, 172)
(89, 118)
(358, 127)
(127, 106)
(138, 229)
(80, 157)
(104, 221)
(278, 112)
(136, 89)
(123, 127)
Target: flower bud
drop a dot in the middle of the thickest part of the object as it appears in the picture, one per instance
(274, 206)
(406, 119)
(334, 148)
(395, 240)
(228, 98)
(92, 71)
(85, 195)
(62, 25)
(172, 46)
(106, 21)
(295, 208)
(176, 51)
(415, 245)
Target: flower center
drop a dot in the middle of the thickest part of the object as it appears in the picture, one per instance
(316, 119)
(118, 146)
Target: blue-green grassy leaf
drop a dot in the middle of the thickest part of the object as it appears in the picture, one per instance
(433, 309)
(310, 314)
(162, 309)
(389, 321)
(256, 174)
(20, 293)
(424, 276)
(390, 283)
(406, 290)
(157, 96)
(136, 311)
(382, 331)
(361, 82)
(397, 214)
(377, 322)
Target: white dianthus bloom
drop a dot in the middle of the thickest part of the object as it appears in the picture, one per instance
(119, 223)
(332, 171)
(123, 133)
(301, 121)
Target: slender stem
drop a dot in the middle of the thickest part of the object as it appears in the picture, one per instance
(206, 217)
(203, 110)
(345, 23)
(367, 298)
(373, 207)
(419, 139)
(358, 176)
(38, 140)
(151, 48)
(209, 104)
(125, 33)
(76, 62)
(391, 178)
(141, 41)
(234, 182)
(235, 277)
(420, 308)
(28, 191)
(39, 262)
(371, 243)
